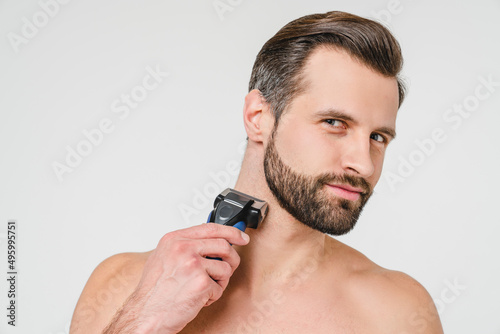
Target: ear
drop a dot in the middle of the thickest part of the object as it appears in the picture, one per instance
(257, 116)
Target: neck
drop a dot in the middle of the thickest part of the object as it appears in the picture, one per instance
(281, 246)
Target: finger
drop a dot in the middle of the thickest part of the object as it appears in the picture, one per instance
(216, 293)
(219, 248)
(214, 290)
(219, 271)
(212, 230)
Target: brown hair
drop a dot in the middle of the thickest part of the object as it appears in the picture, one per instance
(279, 65)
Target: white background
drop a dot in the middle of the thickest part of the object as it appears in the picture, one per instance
(439, 225)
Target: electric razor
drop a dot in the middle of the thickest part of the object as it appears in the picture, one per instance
(234, 208)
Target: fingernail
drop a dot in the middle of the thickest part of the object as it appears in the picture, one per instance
(245, 236)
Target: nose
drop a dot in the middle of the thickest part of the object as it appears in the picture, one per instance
(356, 157)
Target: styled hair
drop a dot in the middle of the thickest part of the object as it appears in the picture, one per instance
(278, 69)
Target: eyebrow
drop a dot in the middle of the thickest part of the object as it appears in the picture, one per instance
(335, 113)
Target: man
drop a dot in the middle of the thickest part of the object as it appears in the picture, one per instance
(319, 115)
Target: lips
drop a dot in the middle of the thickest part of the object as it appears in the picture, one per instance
(346, 191)
(347, 187)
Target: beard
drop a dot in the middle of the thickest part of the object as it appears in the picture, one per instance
(305, 198)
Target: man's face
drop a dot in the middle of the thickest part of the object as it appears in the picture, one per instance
(332, 137)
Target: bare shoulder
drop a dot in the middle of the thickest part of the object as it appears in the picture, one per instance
(406, 300)
(109, 285)
(391, 300)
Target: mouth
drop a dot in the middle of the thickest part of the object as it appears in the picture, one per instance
(345, 191)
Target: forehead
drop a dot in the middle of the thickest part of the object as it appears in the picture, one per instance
(333, 79)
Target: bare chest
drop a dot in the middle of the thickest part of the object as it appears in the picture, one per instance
(274, 315)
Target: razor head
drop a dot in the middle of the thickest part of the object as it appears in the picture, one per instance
(232, 206)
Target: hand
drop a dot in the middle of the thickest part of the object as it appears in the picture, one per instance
(177, 280)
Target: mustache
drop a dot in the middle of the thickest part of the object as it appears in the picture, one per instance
(357, 182)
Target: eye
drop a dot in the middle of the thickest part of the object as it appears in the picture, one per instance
(378, 137)
(335, 123)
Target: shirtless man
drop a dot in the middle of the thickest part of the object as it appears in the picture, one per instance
(320, 112)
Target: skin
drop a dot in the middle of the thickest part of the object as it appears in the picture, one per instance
(289, 278)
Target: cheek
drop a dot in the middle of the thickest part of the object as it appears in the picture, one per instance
(305, 149)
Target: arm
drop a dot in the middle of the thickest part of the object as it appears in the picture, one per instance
(176, 281)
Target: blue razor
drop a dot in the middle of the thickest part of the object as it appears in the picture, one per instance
(234, 208)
